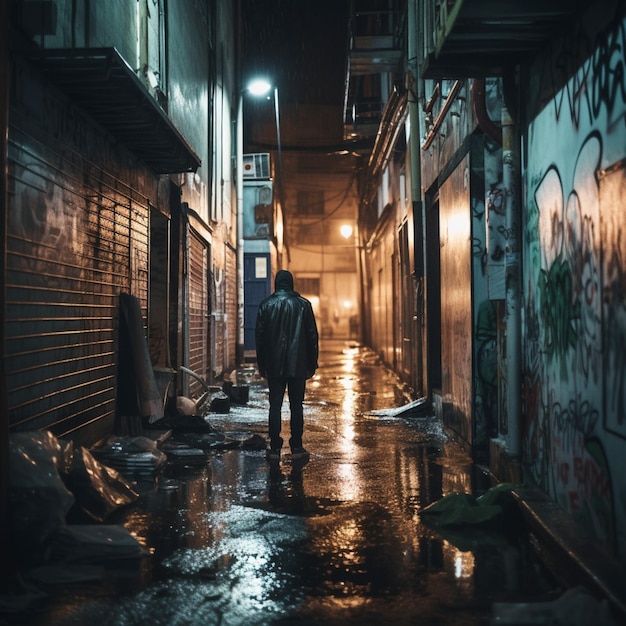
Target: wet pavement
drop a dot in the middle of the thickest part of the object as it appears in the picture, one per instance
(337, 540)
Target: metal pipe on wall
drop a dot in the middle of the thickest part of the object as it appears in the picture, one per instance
(240, 348)
(449, 100)
(240, 241)
(510, 181)
(415, 85)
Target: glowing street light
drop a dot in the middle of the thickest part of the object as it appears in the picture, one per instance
(258, 87)
(346, 231)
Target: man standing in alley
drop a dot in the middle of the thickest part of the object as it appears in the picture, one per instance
(287, 351)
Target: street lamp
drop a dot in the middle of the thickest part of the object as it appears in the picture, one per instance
(346, 231)
(257, 87)
(261, 87)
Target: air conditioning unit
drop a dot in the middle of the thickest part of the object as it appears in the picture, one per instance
(262, 231)
(256, 166)
(263, 215)
(258, 209)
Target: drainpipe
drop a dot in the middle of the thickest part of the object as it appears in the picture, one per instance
(7, 564)
(414, 86)
(240, 243)
(490, 129)
(414, 82)
(510, 178)
(239, 357)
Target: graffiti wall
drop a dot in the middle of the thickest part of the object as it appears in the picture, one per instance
(488, 246)
(574, 332)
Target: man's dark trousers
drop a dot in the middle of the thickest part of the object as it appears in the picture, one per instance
(295, 389)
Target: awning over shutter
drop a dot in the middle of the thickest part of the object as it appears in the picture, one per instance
(101, 83)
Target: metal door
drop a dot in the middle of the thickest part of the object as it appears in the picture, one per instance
(256, 286)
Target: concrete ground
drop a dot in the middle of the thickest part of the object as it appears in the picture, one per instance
(233, 539)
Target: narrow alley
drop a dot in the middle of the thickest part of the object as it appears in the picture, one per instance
(338, 540)
(445, 182)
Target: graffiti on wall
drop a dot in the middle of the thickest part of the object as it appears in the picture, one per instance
(485, 319)
(39, 211)
(487, 368)
(569, 307)
(599, 86)
(582, 473)
(569, 294)
(613, 235)
(575, 313)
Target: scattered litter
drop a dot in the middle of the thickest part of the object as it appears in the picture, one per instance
(185, 424)
(220, 403)
(458, 509)
(205, 441)
(98, 489)
(236, 394)
(131, 455)
(417, 408)
(208, 394)
(178, 452)
(39, 498)
(185, 406)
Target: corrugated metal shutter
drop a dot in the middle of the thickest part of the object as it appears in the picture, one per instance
(198, 312)
(77, 237)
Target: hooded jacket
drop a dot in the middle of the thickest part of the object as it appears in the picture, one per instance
(286, 333)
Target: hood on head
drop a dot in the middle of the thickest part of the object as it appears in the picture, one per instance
(284, 280)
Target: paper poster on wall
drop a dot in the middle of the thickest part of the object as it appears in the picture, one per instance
(260, 267)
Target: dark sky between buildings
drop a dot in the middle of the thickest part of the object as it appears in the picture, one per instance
(298, 45)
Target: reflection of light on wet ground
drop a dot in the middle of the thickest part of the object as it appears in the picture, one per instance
(463, 564)
(349, 488)
(347, 479)
(347, 412)
(336, 541)
(244, 554)
(253, 573)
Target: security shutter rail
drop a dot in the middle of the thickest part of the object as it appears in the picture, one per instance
(198, 312)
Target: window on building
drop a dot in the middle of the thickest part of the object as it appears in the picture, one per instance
(307, 285)
(151, 47)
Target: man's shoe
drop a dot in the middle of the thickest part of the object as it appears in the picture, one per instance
(273, 454)
(300, 454)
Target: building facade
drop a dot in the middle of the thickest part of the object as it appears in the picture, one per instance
(492, 203)
(313, 231)
(121, 209)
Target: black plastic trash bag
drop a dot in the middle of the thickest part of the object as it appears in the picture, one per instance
(461, 509)
(39, 498)
(99, 490)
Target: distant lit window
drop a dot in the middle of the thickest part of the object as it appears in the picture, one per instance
(308, 286)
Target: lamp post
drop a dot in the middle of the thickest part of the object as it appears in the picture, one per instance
(261, 87)
(258, 88)
(240, 257)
